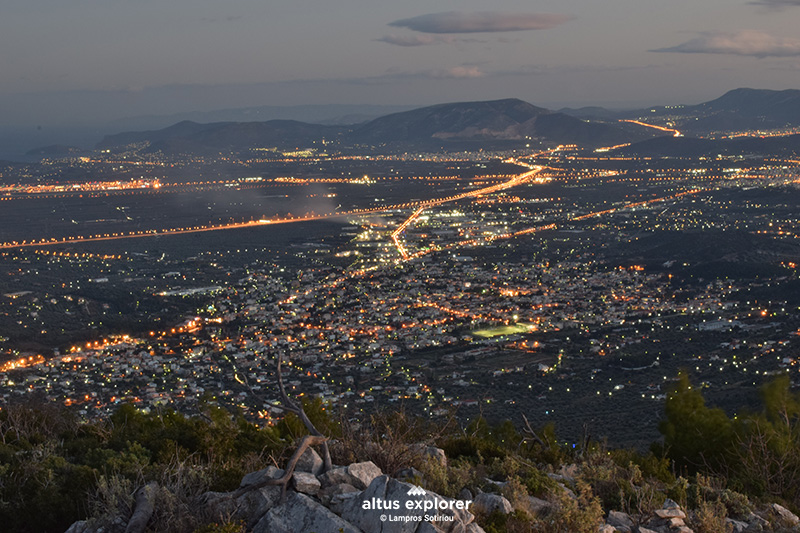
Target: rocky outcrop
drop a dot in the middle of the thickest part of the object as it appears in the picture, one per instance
(359, 498)
(486, 503)
(300, 513)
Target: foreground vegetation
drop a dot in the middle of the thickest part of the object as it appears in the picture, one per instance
(55, 470)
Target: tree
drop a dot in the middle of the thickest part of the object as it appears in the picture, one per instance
(696, 437)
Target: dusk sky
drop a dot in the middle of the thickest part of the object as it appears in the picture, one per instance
(104, 59)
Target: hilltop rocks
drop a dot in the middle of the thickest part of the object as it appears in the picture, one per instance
(311, 462)
(359, 498)
(358, 475)
(305, 482)
(621, 522)
(487, 503)
(785, 514)
(301, 513)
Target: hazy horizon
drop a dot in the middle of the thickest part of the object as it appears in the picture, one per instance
(88, 63)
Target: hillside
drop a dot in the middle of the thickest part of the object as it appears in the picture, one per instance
(509, 122)
(191, 137)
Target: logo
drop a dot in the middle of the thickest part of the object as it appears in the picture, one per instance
(416, 491)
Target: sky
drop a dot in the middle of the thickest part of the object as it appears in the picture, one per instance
(74, 61)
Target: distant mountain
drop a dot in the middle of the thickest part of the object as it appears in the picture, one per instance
(55, 150)
(736, 110)
(191, 137)
(338, 114)
(496, 124)
(499, 120)
(782, 107)
(694, 147)
(509, 122)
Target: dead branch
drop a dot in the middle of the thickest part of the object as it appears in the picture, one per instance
(532, 435)
(289, 405)
(283, 481)
(143, 509)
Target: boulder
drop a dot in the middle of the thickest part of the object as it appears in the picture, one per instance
(539, 506)
(335, 476)
(785, 514)
(622, 522)
(676, 522)
(254, 478)
(736, 525)
(81, 526)
(327, 494)
(301, 513)
(605, 528)
(437, 454)
(670, 513)
(756, 523)
(338, 501)
(486, 503)
(364, 473)
(310, 461)
(252, 505)
(359, 475)
(305, 482)
(670, 504)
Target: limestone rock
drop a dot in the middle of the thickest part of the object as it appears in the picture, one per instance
(360, 475)
(676, 522)
(785, 514)
(643, 529)
(539, 506)
(81, 526)
(364, 473)
(486, 503)
(335, 476)
(252, 505)
(327, 494)
(756, 523)
(305, 482)
(253, 478)
(670, 513)
(338, 501)
(437, 454)
(301, 513)
(310, 461)
(670, 504)
(622, 522)
(410, 474)
(738, 527)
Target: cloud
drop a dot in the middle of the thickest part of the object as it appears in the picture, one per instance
(486, 21)
(457, 72)
(742, 43)
(413, 40)
(778, 4)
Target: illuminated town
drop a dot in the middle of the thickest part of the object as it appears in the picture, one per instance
(559, 283)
